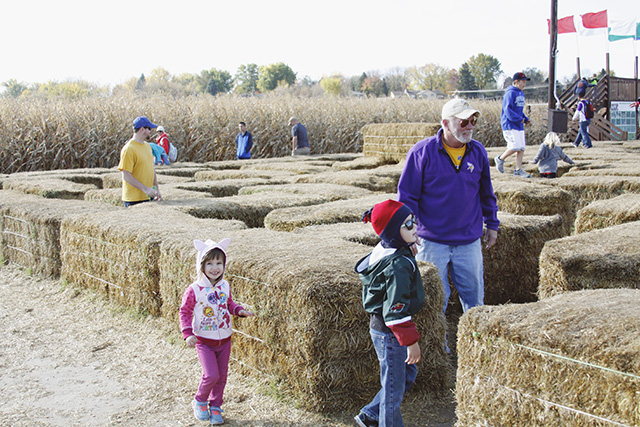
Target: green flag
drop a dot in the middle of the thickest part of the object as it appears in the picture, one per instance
(627, 29)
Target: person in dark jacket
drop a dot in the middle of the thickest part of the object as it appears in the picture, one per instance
(446, 182)
(392, 293)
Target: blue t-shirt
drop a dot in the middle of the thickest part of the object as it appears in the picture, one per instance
(301, 132)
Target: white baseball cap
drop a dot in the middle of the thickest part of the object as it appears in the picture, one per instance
(459, 108)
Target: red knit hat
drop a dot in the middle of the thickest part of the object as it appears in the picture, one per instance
(386, 218)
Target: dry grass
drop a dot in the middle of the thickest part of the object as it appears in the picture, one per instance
(87, 133)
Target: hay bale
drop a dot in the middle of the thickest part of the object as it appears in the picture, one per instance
(251, 208)
(382, 179)
(394, 140)
(524, 197)
(511, 267)
(567, 361)
(586, 190)
(310, 331)
(350, 210)
(49, 187)
(621, 168)
(30, 228)
(332, 192)
(362, 163)
(607, 258)
(226, 187)
(114, 179)
(217, 175)
(295, 167)
(609, 212)
(355, 232)
(169, 192)
(117, 254)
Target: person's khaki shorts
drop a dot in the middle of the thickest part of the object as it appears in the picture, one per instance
(302, 151)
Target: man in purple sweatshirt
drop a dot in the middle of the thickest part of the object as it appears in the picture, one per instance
(446, 182)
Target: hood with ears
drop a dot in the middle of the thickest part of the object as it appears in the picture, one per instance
(204, 247)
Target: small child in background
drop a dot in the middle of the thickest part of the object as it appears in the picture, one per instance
(205, 320)
(159, 156)
(581, 114)
(392, 293)
(548, 155)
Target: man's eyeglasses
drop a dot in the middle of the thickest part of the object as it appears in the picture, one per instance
(147, 128)
(411, 222)
(465, 122)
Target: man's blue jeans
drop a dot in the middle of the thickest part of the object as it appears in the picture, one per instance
(583, 135)
(464, 263)
(396, 377)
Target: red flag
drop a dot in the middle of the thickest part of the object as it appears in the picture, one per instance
(595, 20)
(565, 25)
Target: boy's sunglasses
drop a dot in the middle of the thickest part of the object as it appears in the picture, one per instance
(411, 222)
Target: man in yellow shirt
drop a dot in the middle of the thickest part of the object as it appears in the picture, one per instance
(139, 181)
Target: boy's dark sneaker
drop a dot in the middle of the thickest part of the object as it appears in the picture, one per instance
(364, 421)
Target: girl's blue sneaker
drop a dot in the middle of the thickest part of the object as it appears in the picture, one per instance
(200, 410)
(216, 416)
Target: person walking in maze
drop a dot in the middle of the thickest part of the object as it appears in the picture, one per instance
(446, 182)
(392, 293)
(205, 320)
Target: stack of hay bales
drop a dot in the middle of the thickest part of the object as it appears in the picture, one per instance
(522, 197)
(606, 258)
(350, 210)
(226, 187)
(382, 179)
(311, 330)
(171, 192)
(30, 227)
(50, 187)
(392, 141)
(588, 189)
(567, 361)
(117, 254)
(609, 212)
(511, 266)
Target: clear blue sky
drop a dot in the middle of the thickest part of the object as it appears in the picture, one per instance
(108, 42)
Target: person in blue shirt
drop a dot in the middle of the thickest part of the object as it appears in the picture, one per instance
(512, 120)
(244, 142)
(299, 138)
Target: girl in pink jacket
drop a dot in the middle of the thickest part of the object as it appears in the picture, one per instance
(205, 320)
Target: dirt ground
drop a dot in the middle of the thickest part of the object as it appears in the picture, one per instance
(70, 358)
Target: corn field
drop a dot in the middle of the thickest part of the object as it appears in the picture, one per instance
(89, 132)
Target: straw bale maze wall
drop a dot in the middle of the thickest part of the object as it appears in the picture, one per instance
(295, 233)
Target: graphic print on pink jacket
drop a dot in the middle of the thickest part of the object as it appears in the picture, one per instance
(206, 308)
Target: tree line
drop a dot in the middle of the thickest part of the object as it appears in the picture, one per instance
(480, 72)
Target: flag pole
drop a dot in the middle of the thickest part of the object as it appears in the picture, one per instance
(553, 43)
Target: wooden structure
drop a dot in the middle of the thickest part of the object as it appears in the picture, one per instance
(608, 89)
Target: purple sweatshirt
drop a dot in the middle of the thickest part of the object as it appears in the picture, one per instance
(450, 204)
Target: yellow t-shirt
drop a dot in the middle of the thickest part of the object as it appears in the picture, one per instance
(455, 153)
(136, 158)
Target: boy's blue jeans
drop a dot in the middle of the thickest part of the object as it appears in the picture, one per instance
(464, 262)
(396, 377)
(583, 135)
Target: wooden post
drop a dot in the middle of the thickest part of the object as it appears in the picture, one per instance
(553, 43)
(608, 88)
(635, 78)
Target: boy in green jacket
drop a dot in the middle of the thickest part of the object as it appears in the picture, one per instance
(392, 293)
